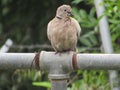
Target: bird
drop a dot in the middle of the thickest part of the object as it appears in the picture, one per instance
(63, 30)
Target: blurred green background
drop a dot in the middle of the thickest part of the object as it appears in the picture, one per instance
(25, 22)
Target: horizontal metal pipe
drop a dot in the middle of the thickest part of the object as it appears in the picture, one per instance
(16, 60)
(83, 61)
(99, 61)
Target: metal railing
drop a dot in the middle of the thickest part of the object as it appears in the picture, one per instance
(59, 66)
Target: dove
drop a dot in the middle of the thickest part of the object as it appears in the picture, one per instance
(63, 30)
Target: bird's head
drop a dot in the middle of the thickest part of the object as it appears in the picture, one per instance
(64, 11)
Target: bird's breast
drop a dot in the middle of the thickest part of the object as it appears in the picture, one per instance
(64, 35)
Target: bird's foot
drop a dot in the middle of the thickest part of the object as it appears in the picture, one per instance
(58, 52)
(63, 51)
(67, 51)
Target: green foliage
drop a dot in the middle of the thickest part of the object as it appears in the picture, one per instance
(76, 1)
(89, 37)
(92, 80)
(89, 23)
(43, 84)
(95, 80)
(113, 13)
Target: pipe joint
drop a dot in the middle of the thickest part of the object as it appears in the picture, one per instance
(58, 65)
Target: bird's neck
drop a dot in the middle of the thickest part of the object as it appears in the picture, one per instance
(62, 18)
(58, 17)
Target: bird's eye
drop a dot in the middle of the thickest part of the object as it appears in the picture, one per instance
(65, 10)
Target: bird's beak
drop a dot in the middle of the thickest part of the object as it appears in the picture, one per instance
(70, 14)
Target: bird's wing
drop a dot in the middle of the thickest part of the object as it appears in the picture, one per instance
(49, 30)
(78, 28)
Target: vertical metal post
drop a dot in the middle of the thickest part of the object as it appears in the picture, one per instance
(106, 40)
(59, 84)
(58, 66)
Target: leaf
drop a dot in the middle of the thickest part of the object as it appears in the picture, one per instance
(92, 12)
(83, 49)
(93, 39)
(76, 1)
(114, 21)
(85, 41)
(89, 39)
(83, 14)
(75, 12)
(5, 10)
(43, 84)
